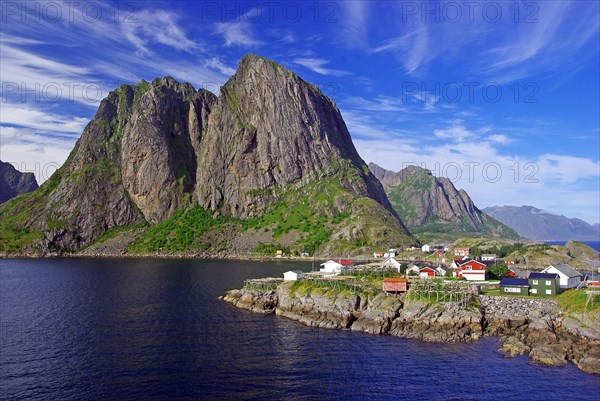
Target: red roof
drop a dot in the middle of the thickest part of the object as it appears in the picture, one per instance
(394, 280)
(427, 268)
(345, 262)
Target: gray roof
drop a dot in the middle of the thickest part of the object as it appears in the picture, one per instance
(518, 272)
(566, 270)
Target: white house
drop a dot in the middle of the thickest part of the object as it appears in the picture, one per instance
(568, 277)
(293, 275)
(392, 263)
(426, 248)
(488, 257)
(412, 268)
(441, 270)
(391, 253)
(332, 266)
(462, 251)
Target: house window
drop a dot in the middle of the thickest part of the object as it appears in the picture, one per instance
(511, 289)
(535, 282)
(548, 282)
(534, 290)
(548, 292)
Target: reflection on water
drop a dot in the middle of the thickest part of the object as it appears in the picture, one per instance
(154, 329)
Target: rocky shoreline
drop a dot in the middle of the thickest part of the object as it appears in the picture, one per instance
(534, 327)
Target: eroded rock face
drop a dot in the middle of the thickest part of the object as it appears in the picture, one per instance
(438, 323)
(270, 129)
(158, 157)
(377, 313)
(316, 310)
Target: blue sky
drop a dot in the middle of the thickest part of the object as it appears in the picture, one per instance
(501, 97)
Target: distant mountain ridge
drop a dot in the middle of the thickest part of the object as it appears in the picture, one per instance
(13, 182)
(432, 205)
(538, 224)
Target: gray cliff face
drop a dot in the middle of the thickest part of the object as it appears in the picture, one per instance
(270, 129)
(13, 182)
(158, 157)
(432, 203)
(153, 149)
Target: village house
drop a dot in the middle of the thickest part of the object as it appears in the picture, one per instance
(426, 248)
(412, 270)
(514, 286)
(543, 283)
(391, 263)
(427, 272)
(462, 251)
(569, 277)
(378, 254)
(391, 252)
(488, 257)
(517, 273)
(441, 270)
(335, 267)
(394, 284)
(293, 275)
(471, 270)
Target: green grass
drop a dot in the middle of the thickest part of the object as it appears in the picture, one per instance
(179, 233)
(574, 301)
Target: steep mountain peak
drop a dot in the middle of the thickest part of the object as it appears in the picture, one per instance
(269, 140)
(432, 205)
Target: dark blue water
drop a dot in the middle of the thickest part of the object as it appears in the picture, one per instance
(592, 244)
(154, 329)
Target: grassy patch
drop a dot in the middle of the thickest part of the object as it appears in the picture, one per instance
(574, 301)
(179, 233)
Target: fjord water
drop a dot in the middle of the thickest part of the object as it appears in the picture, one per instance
(154, 329)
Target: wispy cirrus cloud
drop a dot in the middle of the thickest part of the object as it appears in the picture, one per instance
(319, 66)
(157, 27)
(239, 32)
(355, 24)
(26, 116)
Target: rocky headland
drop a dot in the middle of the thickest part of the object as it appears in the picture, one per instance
(534, 327)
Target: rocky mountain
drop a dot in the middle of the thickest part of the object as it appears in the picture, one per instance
(432, 207)
(13, 182)
(269, 161)
(537, 224)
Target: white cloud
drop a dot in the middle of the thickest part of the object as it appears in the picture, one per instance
(499, 139)
(318, 66)
(354, 18)
(26, 116)
(34, 152)
(157, 26)
(238, 33)
(456, 133)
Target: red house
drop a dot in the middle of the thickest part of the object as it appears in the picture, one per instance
(472, 270)
(427, 272)
(394, 284)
